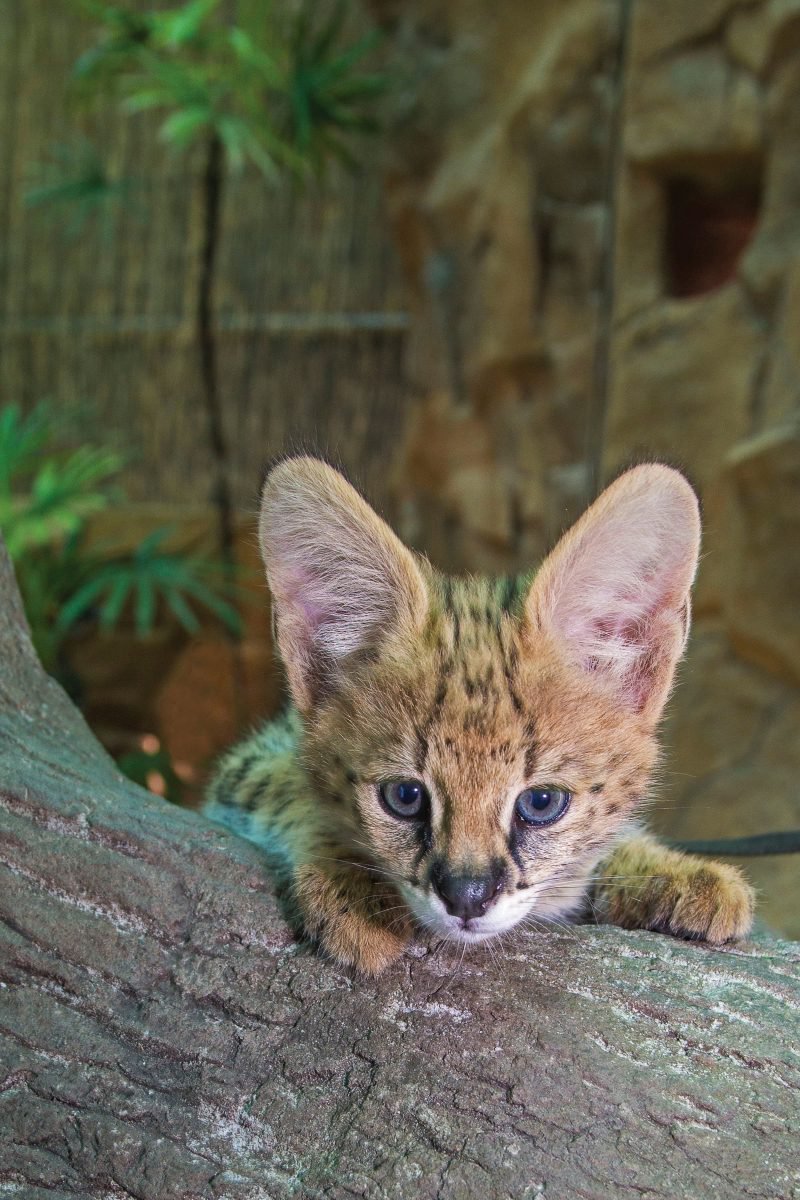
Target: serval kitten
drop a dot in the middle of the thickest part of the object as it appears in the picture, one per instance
(471, 753)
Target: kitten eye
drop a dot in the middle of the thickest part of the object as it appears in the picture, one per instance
(407, 798)
(542, 805)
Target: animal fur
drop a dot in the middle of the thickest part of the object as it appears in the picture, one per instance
(478, 689)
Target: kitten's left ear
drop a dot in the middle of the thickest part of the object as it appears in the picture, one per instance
(615, 591)
(341, 581)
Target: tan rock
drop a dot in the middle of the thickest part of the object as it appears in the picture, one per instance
(693, 105)
(676, 24)
(576, 238)
(748, 37)
(682, 378)
(779, 396)
(755, 794)
(481, 498)
(721, 708)
(503, 223)
(212, 693)
(762, 34)
(640, 235)
(783, 16)
(775, 879)
(777, 240)
(441, 438)
(762, 596)
(503, 255)
(732, 763)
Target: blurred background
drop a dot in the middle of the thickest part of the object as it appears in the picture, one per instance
(480, 255)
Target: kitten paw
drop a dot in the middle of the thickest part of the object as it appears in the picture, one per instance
(356, 923)
(712, 901)
(369, 948)
(684, 896)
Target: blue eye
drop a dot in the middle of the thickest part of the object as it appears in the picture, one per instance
(407, 798)
(542, 805)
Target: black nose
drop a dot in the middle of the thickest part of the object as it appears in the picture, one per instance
(467, 895)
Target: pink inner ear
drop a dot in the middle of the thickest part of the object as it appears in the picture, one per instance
(311, 608)
(299, 588)
(615, 589)
(341, 581)
(331, 590)
(603, 612)
(617, 628)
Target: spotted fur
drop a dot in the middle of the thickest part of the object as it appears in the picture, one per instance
(479, 688)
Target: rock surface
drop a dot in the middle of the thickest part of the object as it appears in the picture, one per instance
(761, 604)
(162, 1036)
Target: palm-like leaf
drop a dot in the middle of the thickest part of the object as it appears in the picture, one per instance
(74, 179)
(22, 437)
(183, 25)
(330, 97)
(151, 574)
(280, 95)
(46, 497)
(61, 489)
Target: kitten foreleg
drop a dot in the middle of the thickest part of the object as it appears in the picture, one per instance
(643, 884)
(357, 918)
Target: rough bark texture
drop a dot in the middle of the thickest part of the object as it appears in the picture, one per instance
(162, 1035)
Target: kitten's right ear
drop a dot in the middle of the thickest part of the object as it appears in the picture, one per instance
(341, 580)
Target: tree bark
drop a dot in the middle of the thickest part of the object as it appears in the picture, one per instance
(161, 1035)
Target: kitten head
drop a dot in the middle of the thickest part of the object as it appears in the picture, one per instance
(482, 742)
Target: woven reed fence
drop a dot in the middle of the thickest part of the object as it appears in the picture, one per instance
(309, 311)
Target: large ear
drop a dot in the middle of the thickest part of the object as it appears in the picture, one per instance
(615, 590)
(340, 579)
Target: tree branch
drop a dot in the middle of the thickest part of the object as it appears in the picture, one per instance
(162, 1036)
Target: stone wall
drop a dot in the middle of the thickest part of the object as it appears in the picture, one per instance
(598, 210)
(499, 197)
(707, 373)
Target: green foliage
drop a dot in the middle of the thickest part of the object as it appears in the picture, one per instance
(282, 87)
(330, 98)
(73, 180)
(60, 489)
(282, 93)
(139, 581)
(47, 494)
(141, 765)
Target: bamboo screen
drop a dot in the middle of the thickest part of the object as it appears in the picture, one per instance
(99, 315)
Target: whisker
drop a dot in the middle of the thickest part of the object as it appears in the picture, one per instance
(546, 924)
(641, 875)
(442, 989)
(394, 923)
(381, 872)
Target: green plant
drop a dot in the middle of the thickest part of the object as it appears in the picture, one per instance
(48, 492)
(283, 92)
(330, 99)
(280, 87)
(60, 489)
(151, 767)
(73, 181)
